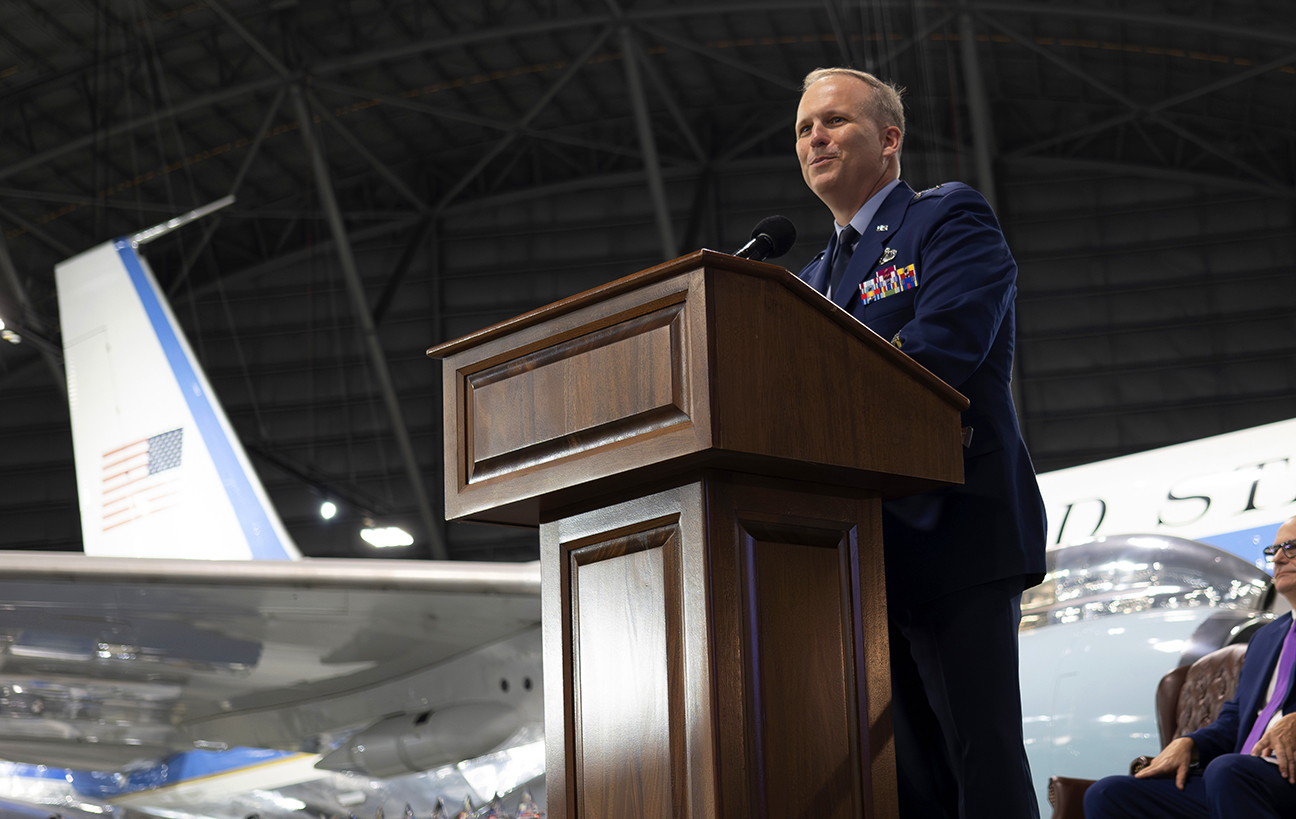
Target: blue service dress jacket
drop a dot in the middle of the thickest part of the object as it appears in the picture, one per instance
(945, 295)
(1237, 716)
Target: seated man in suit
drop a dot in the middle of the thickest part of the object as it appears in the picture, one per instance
(1242, 764)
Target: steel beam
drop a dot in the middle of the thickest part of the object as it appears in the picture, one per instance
(639, 18)
(29, 315)
(38, 232)
(312, 477)
(647, 144)
(917, 37)
(1077, 133)
(515, 130)
(71, 145)
(983, 139)
(249, 38)
(210, 230)
(1209, 147)
(377, 164)
(1272, 65)
(1109, 14)
(1167, 174)
(1152, 114)
(397, 276)
(436, 277)
(984, 149)
(369, 332)
(848, 55)
(718, 56)
(668, 97)
(269, 266)
(757, 138)
(643, 20)
(471, 119)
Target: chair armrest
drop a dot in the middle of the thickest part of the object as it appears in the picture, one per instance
(1066, 795)
(1139, 764)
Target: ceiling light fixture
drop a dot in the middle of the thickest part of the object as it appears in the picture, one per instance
(387, 537)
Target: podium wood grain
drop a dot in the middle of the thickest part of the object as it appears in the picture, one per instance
(727, 645)
(705, 361)
(704, 445)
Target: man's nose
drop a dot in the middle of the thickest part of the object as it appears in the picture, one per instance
(818, 134)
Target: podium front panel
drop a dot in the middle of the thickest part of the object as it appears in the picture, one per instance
(718, 649)
(577, 400)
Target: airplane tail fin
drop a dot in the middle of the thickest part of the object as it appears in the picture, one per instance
(160, 471)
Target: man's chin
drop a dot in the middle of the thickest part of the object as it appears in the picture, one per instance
(825, 186)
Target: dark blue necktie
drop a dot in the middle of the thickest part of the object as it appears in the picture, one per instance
(845, 249)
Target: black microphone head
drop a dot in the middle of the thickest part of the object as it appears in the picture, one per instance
(778, 232)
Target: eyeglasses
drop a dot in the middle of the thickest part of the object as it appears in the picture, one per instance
(1288, 549)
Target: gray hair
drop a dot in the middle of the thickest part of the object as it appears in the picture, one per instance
(883, 106)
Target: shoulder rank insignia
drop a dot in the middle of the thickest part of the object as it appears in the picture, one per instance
(921, 194)
(887, 283)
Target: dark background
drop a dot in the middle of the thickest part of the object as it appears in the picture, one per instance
(491, 157)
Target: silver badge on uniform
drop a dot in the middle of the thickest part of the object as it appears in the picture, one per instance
(887, 255)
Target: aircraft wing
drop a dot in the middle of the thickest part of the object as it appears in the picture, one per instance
(106, 663)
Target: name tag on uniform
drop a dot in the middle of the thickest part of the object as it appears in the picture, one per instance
(888, 282)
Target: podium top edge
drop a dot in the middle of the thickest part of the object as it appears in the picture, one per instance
(714, 260)
(616, 287)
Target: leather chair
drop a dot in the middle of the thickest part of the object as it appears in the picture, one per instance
(1188, 698)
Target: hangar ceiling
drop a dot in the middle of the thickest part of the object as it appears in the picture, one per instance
(425, 169)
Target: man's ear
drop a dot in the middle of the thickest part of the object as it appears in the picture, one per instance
(891, 139)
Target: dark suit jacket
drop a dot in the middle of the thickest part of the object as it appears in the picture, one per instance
(1231, 728)
(957, 322)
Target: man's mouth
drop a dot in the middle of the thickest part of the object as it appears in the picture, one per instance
(819, 160)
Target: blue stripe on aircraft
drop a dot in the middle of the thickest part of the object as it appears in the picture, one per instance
(174, 769)
(251, 515)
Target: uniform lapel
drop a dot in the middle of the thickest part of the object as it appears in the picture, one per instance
(872, 241)
(817, 274)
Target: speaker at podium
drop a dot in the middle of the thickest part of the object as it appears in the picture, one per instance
(705, 446)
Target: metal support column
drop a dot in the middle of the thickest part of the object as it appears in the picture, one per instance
(360, 304)
(436, 292)
(983, 141)
(648, 146)
(983, 151)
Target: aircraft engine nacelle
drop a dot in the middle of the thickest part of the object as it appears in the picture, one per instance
(412, 743)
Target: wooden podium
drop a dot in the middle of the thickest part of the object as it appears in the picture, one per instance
(704, 446)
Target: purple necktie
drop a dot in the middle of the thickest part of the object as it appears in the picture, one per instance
(1284, 671)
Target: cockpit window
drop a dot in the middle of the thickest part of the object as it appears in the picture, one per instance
(1131, 573)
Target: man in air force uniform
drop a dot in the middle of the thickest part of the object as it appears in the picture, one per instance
(930, 272)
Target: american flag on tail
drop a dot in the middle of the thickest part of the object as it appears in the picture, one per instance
(141, 478)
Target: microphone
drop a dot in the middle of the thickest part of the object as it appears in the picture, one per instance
(772, 237)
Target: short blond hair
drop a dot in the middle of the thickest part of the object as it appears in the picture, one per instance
(884, 106)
